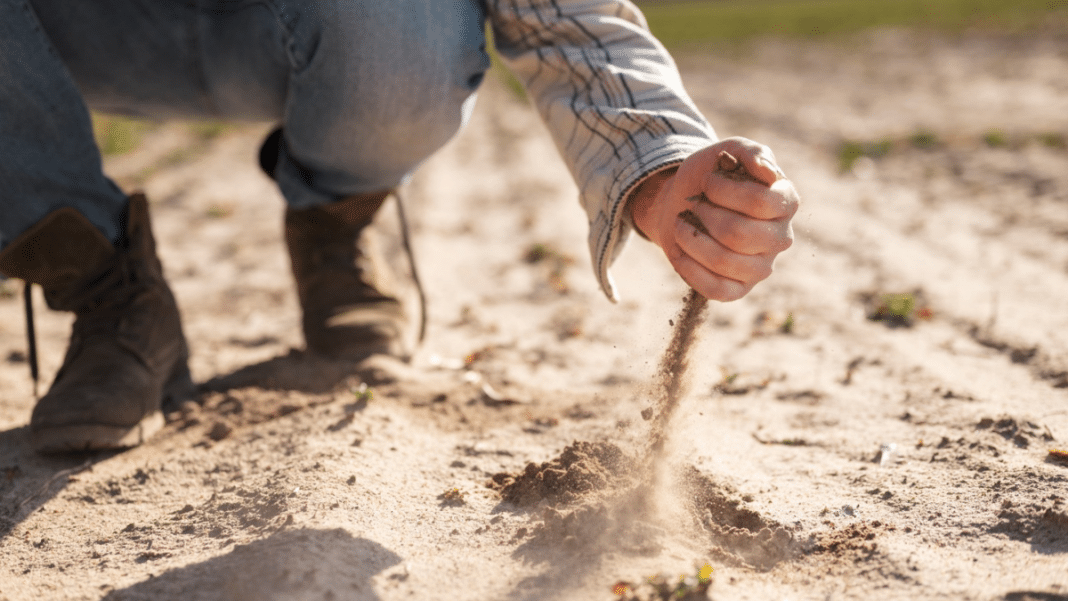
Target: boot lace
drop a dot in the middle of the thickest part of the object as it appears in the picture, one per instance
(106, 298)
(407, 244)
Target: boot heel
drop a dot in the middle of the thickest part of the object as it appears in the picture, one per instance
(179, 386)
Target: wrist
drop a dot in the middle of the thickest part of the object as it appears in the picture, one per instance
(643, 200)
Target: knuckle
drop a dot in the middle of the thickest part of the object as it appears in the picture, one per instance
(777, 204)
(793, 202)
(674, 253)
(764, 272)
(784, 241)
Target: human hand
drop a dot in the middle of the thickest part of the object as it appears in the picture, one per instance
(746, 222)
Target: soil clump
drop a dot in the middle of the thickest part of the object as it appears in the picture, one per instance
(581, 468)
(591, 494)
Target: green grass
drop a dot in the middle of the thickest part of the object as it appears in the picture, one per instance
(851, 150)
(898, 306)
(995, 138)
(899, 309)
(924, 139)
(1053, 140)
(209, 130)
(678, 23)
(119, 135)
(848, 151)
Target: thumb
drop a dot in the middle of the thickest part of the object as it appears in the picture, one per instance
(756, 158)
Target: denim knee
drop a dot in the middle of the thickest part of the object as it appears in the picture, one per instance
(376, 88)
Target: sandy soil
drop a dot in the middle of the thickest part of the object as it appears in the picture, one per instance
(287, 482)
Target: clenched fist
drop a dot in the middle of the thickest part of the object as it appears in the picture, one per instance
(746, 220)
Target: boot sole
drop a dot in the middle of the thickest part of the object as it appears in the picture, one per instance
(80, 438)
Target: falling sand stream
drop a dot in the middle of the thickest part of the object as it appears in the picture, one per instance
(670, 383)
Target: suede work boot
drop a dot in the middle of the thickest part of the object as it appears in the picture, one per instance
(127, 351)
(350, 310)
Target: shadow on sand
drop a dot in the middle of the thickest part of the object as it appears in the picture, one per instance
(302, 371)
(305, 563)
(29, 480)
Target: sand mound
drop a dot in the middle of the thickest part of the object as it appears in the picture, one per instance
(594, 495)
(740, 534)
(581, 468)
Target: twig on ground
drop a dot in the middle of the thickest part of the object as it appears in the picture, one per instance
(60, 474)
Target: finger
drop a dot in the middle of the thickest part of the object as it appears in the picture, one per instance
(757, 158)
(743, 234)
(714, 257)
(780, 201)
(707, 284)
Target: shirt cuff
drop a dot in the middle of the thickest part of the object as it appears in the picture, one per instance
(611, 228)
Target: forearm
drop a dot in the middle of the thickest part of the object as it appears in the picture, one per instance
(611, 97)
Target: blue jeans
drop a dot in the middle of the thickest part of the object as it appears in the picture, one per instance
(364, 89)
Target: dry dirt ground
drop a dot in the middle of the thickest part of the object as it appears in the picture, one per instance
(288, 482)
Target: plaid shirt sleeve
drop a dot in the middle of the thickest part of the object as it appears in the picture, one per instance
(611, 97)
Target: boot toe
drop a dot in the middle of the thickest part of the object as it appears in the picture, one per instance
(109, 401)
